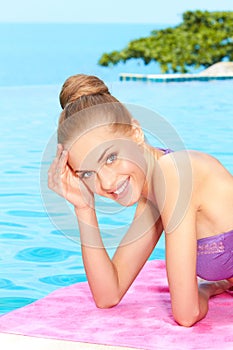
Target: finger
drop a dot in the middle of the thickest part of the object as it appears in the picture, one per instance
(54, 164)
(55, 181)
(52, 176)
(62, 166)
(53, 167)
(51, 183)
(59, 150)
(54, 171)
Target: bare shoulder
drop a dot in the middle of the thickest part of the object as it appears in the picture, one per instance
(183, 156)
(191, 179)
(174, 185)
(195, 163)
(175, 165)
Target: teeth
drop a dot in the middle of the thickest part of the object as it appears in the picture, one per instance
(122, 188)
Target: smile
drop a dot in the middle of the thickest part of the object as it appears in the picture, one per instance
(122, 187)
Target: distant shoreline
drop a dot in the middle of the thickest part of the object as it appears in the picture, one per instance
(218, 71)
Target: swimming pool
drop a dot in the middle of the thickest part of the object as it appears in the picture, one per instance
(36, 257)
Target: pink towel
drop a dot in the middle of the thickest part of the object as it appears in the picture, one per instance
(143, 319)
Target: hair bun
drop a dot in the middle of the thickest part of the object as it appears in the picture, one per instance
(81, 85)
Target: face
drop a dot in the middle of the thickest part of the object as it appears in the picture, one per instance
(111, 164)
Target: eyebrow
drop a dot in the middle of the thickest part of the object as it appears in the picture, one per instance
(99, 160)
(104, 152)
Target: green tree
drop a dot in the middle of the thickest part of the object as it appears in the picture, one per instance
(202, 39)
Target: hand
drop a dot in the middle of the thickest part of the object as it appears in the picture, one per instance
(214, 288)
(63, 181)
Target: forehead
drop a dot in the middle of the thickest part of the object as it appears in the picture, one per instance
(87, 148)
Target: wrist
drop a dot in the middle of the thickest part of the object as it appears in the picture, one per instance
(86, 215)
(88, 227)
(214, 288)
(83, 211)
(206, 289)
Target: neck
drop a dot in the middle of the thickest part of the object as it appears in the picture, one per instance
(151, 156)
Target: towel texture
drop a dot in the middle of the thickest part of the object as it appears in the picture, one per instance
(142, 320)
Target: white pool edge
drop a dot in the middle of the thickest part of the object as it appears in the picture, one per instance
(21, 342)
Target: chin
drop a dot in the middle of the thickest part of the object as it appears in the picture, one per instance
(128, 203)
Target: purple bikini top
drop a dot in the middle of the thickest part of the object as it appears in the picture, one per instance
(215, 257)
(166, 150)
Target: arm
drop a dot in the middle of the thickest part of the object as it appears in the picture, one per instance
(110, 279)
(189, 304)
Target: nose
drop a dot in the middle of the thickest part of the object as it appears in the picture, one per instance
(107, 179)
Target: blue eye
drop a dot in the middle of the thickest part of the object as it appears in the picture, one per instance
(111, 158)
(86, 174)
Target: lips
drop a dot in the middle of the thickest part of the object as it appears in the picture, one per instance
(121, 189)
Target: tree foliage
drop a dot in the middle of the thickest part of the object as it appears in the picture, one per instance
(202, 39)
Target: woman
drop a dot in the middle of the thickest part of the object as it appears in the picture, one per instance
(188, 195)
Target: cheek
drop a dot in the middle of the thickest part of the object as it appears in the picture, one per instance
(133, 168)
(134, 161)
(91, 184)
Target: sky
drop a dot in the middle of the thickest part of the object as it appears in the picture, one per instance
(99, 11)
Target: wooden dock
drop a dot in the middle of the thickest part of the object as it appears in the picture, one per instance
(167, 78)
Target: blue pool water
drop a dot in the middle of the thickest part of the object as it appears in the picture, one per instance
(36, 257)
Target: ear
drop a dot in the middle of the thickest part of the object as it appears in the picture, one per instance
(138, 134)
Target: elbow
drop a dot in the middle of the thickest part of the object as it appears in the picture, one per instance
(106, 303)
(187, 320)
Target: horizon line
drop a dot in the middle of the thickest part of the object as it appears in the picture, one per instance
(86, 22)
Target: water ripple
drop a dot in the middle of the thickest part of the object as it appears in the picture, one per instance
(63, 280)
(16, 195)
(29, 213)
(8, 284)
(13, 172)
(56, 232)
(29, 167)
(44, 254)
(11, 224)
(8, 304)
(13, 236)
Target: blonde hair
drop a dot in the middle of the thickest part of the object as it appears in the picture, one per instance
(87, 103)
